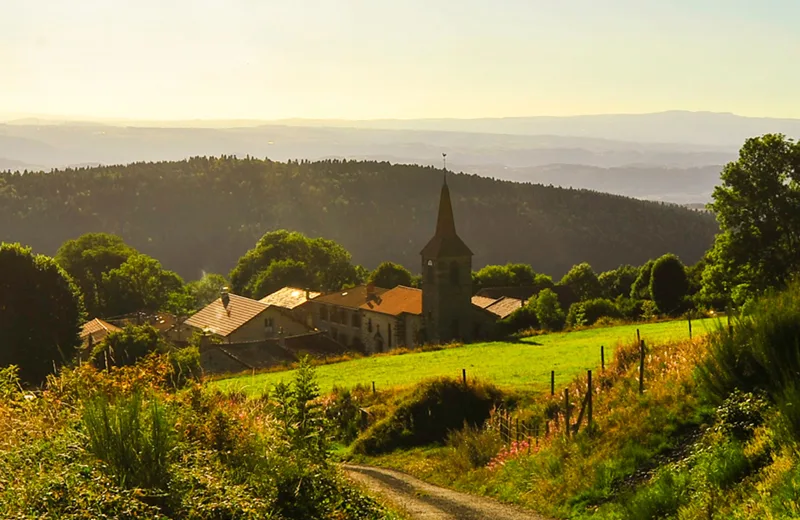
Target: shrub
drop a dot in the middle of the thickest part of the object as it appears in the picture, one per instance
(300, 417)
(432, 410)
(669, 284)
(521, 319)
(473, 447)
(185, 366)
(134, 444)
(761, 352)
(548, 310)
(127, 346)
(589, 312)
(9, 381)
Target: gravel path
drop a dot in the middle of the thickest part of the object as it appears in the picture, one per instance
(423, 501)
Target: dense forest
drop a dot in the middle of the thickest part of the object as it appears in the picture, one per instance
(202, 214)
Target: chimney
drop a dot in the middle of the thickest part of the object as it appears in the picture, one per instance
(308, 295)
(370, 291)
(225, 296)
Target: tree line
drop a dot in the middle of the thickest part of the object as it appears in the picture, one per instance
(44, 300)
(203, 213)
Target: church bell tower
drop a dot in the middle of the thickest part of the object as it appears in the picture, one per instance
(447, 279)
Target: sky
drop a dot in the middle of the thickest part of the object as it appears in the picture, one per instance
(369, 59)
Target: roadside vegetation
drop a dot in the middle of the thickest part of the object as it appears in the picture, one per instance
(714, 435)
(126, 443)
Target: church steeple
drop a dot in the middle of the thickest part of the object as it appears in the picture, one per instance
(447, 278)
(446, 241)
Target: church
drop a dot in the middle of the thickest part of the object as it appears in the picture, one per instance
(448, 313)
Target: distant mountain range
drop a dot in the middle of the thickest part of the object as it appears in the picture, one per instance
(670, 156)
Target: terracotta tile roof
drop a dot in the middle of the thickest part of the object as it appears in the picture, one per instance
(289, 297)
(223, 320)
(396, 301)
(351, 298)
(504, 307)
(483, 301)
(98, 329)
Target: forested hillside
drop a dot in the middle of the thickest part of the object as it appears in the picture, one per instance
(202, 214)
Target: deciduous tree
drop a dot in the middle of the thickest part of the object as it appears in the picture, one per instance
(41, 313)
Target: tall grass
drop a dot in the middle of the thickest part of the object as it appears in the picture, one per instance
(134, 440)
(761, 353)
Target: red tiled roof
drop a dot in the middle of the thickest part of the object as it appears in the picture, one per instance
(396, 301)
(222, 320)
(352, 298)
(289, 297)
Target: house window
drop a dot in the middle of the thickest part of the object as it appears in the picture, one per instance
(343, 317)
(369, 324)
(323, 313)
(389, 335)
(455, 274)
(356, 320)
(269, 324)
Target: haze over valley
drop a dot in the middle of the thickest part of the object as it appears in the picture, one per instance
(673, 156)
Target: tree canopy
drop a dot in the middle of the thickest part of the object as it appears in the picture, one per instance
(204, 213)
(757, 210)
(41, 313)
(140, 284)
(389, 275)
(668, 284)
(282, 258)
(618, 282)
(86, 259)
(583, 282)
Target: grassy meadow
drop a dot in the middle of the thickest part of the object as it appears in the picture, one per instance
(521, 366)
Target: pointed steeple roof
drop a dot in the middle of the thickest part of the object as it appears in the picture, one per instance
(446, 241)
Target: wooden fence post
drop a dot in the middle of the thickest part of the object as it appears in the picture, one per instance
(690, 327)
(566, 411)
(517, 428)
(552, 382)
(589, 404)
(464, 375)
(373, 387)
(641, 367)
(638, 337)
(602, 358)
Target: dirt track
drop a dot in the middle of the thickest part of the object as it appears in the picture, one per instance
(423, 501)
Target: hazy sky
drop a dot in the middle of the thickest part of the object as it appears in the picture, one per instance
(177, 59)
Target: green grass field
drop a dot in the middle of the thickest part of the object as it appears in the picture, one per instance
(523, 365)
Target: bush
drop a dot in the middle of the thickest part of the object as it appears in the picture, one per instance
(434, 409)
(134, 444)
(9, 381)
(589, 312)
(661, 499)
(521, 319)
(473, 447)
(548, 310)
(185, 366)
(669, 284)
(127, 346)
(760, 353)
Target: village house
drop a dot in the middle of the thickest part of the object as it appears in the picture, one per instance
(292, 299)
(235, 319)
(92, 333)
(501, 307)
(339, 314)
(392, 319)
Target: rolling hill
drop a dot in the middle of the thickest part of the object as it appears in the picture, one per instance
(202, 214)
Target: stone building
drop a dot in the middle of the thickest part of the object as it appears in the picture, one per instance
(447, 308)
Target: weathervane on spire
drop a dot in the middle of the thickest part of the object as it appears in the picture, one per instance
(444, 161)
